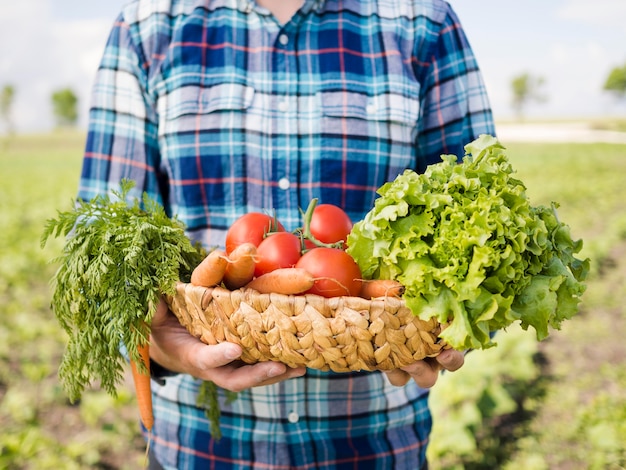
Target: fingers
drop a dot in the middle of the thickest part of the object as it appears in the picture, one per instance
(202, 358)
(236, 377)
(451, 359)
(398, 377)
(426, 372)
(162, 314)
(175, 349)
(216, 363)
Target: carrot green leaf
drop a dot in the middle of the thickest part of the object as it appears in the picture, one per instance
(119, 257)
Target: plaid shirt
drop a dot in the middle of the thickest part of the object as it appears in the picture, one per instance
(215, 109)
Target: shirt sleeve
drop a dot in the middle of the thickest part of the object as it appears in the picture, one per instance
(455, 108)
(122, 129)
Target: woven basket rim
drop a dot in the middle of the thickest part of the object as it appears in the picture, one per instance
(336, 333)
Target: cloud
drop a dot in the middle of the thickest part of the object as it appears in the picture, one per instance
(41, 53)
(598, 12)
(577, 77)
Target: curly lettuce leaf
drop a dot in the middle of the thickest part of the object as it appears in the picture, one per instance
(470, 249)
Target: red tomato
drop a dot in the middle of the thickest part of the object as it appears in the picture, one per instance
(277, 250)
(251, 227)
(337, 271)
(330, 224)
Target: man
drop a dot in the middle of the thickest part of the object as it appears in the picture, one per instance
(222, 107)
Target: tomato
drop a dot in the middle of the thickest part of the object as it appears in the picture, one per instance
(277, 250)
(251, 227)
(337, 271)
(330, 224)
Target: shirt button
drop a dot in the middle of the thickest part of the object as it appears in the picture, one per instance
(284, 184)
(283, 39)
(371, 108)
(293, 417)
(283, 106)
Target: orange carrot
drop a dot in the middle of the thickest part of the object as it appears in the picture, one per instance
(283, 281)
(142, 387)
(372, 288)
(210, 271)
(240, 268)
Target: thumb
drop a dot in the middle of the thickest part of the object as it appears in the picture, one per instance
(204, 357)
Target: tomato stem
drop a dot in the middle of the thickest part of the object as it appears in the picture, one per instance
(305, 231)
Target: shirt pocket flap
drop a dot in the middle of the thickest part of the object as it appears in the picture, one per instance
(197, 100)
(390, 107)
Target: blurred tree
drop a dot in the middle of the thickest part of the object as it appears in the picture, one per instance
(526, 88)
(6, 107)
(64, 105)
(616, 82)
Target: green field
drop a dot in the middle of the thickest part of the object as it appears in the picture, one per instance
(559, 404)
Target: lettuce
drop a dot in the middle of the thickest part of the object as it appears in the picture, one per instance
(470, 249)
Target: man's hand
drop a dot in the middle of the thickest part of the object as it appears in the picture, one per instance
(175, 349)
(426, 372)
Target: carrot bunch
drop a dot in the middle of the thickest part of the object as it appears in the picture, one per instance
(113, 243)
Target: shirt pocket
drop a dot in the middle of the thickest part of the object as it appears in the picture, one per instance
(194, 108)
(388, 117)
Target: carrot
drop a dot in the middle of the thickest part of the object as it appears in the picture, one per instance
(240, 268)
(283, 281)
(372, 288)
(142, 387)
(210, 271)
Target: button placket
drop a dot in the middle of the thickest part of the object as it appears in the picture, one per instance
(285, 117)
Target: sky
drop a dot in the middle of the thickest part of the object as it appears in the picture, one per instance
(46, 45)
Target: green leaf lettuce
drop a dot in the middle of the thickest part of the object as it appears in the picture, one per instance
(470, 249)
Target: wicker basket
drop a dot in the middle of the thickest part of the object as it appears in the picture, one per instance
(340, 334)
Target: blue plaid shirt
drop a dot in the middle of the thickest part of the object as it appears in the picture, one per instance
(215, 109)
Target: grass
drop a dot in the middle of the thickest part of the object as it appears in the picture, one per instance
(39, 428)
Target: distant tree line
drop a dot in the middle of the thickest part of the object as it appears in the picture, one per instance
(526, 87)
(64, 107)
